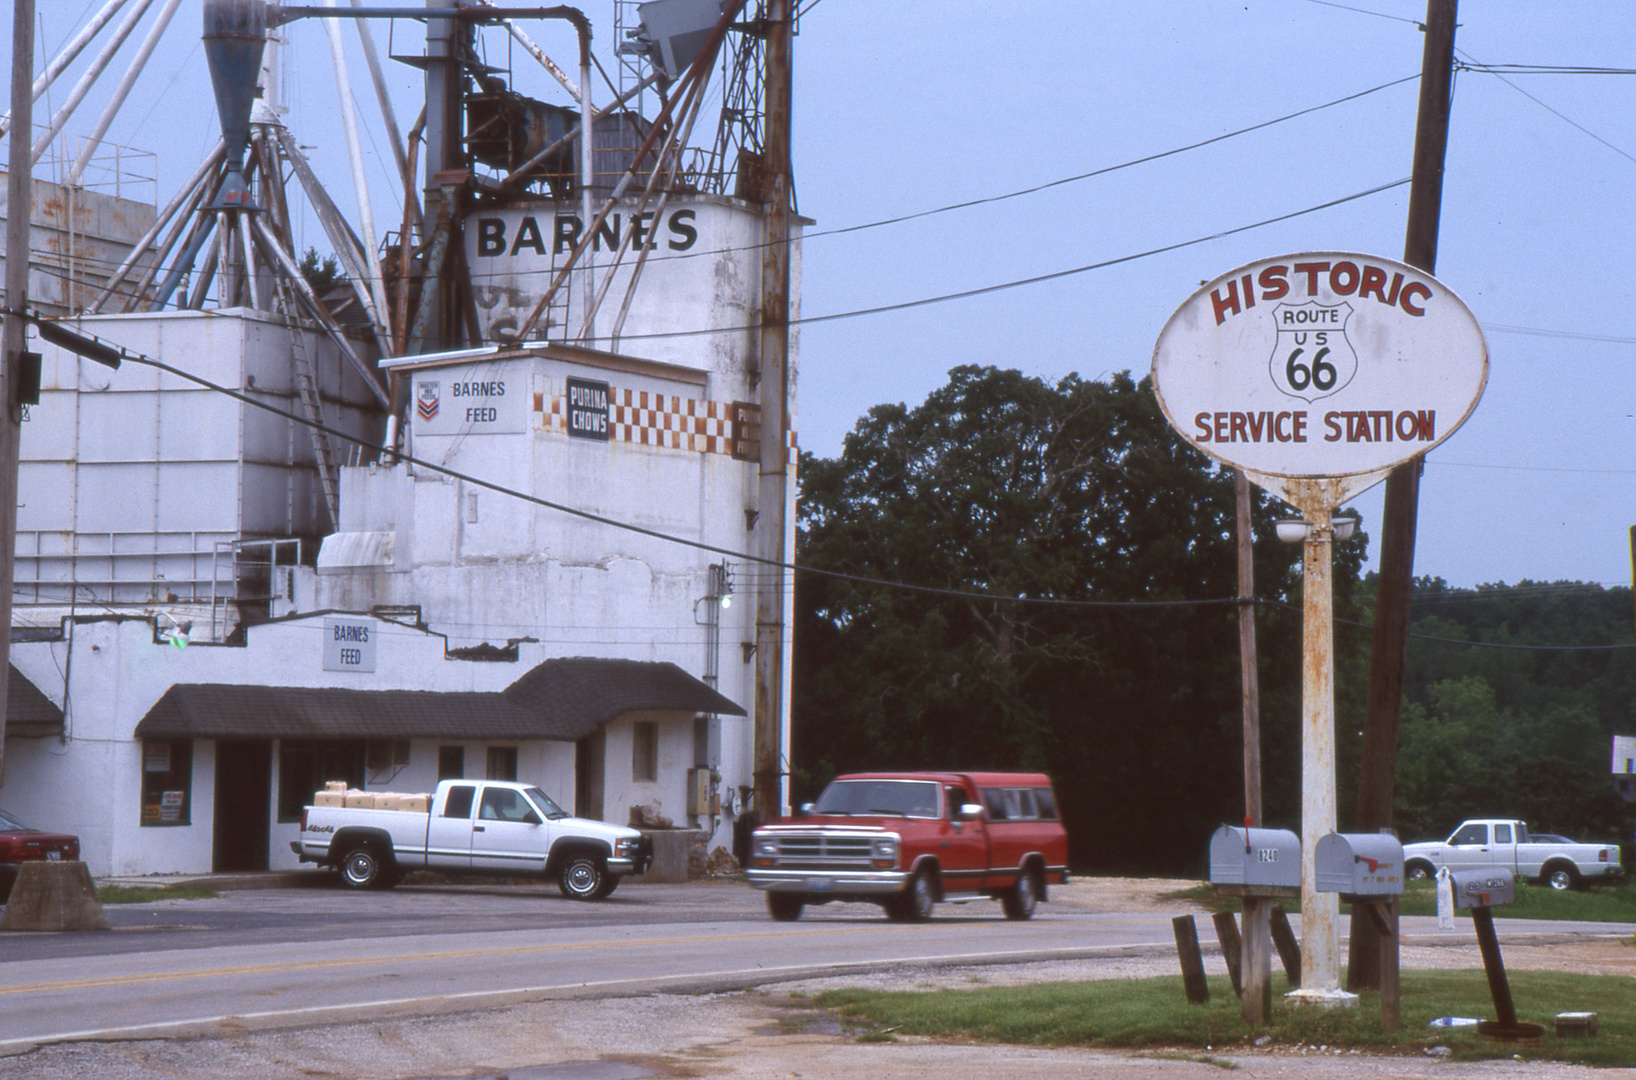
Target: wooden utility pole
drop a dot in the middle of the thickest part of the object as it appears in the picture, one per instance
(1389, 644)
(1255, 959)
(19, 219)
(773, 395)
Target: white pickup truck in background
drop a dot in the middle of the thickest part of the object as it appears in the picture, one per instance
(468, 827)
(1505, 842)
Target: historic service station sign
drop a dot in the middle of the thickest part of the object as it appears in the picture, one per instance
(1326, 364)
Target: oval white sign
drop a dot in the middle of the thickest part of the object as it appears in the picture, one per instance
(1320, 364)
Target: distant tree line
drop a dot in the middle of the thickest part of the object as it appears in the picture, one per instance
(1002, 485)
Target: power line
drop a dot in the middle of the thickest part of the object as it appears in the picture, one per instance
(966, 294)
(600, 519)
(1554, 112)
(963, 594)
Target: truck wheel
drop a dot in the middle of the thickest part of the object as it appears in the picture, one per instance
(583, 878)
(1418, 870)
(1020, 900)
(610, 882)
(1561, 878)
(916, 903)
(362, 868)
(785, 907)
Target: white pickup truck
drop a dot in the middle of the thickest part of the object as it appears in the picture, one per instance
(1504, 842)
(471, 827)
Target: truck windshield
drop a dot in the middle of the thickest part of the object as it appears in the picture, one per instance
(544, 803)
(862, 798)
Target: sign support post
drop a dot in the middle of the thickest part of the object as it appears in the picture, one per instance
(1316, 374)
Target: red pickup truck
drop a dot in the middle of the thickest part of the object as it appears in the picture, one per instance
(908, 840)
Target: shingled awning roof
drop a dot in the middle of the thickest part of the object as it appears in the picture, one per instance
(559, 699)
(29, 713)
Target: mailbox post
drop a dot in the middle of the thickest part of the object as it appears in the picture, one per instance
(1480, 889)
(1258, 866)
(1366, 869)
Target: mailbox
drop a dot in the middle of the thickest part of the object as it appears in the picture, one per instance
(1483, 886)
(1359, 864)
(1255, 862)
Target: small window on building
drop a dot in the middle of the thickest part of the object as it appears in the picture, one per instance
(167, 781)
(645, 750)
(502, 763)
(306, 765)
(451, 763)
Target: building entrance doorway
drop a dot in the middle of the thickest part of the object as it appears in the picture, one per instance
(244, 805)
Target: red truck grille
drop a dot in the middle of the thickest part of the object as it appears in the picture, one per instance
(820, 848)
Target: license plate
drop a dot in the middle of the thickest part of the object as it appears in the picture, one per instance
(53, 855)
(819, 884)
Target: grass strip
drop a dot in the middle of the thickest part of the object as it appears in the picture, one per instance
(1154, 1014)
(1598, 903)
(144, 894)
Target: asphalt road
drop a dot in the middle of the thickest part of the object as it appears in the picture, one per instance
(268, 958)
(288, 958)
(309, 980)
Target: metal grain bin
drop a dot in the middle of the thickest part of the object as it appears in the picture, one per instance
(1359, 864)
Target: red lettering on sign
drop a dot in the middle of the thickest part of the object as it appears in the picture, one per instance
(1273, 284)
(1311, 270)
(1343, 278)
(1414, 288)
(1224, 304)
(1374, 278)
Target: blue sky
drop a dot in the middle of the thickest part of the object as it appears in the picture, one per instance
(905, 108)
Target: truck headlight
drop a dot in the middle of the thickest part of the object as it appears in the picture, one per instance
(883, 852)
(765, 850)
(625, 847)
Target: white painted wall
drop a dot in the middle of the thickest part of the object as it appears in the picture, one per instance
(89, 781)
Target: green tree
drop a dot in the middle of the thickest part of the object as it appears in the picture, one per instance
(320, 272)
(1005, 485)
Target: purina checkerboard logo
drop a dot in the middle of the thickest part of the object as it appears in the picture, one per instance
(428, 400)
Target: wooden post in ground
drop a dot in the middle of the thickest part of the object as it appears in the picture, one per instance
(1187, 950)
(1232, 948)
(1289, 952)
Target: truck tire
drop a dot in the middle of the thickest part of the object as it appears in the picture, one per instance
(1560, 876)
(610, 882)
(363, 868)
(1417, 870)
(915, 903)
(785, 907)
(584, 877)
(1020, 900)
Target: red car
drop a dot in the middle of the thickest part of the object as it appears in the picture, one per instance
(19, 844)
(908, 840)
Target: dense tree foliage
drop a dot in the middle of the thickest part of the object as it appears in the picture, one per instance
(1007, 486)
(910, 654)
(1518, 726)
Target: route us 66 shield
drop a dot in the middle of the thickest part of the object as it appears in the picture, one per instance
(1312, 357)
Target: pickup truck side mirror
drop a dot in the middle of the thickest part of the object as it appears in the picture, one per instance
(804, 810)
(969, 812)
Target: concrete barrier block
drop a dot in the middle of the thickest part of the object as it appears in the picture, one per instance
(53, 896)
